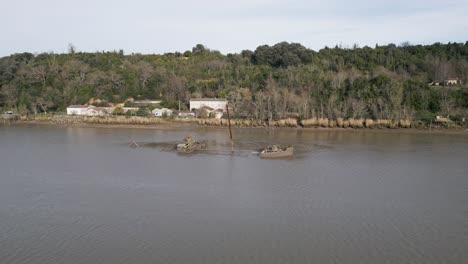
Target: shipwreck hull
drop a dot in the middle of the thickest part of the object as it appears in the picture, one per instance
(288, 152)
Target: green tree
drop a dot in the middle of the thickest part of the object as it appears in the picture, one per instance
(118, 111)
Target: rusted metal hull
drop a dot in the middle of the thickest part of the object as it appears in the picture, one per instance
(288, 152)
(189, 147)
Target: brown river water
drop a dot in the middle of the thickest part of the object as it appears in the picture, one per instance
(82, 195)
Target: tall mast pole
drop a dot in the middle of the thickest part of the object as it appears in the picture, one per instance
(230, 131)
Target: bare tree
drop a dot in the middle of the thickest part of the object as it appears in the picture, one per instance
(39, 74)
(446, 101)
(357, 108)
(145, 71)
(259, 105)
(11, 94)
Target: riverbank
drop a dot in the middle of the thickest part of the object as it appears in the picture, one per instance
(189, 123)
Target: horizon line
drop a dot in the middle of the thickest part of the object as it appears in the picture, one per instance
(338, 45)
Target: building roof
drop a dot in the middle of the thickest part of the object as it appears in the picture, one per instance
(147, 101)
(162, 110)
(78, 106)
(207, 108)
(208, 99)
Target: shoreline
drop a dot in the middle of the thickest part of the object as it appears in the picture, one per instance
(193, 124)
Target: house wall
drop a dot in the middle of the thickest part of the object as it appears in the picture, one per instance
(76, 111)
(218, 114)
(160, 112)
(186, 115)
(92, 112)
(89, 112)
(213, 104)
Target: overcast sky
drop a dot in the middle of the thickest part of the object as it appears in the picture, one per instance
(152, 26)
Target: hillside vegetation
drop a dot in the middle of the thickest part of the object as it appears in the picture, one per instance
(270, 83)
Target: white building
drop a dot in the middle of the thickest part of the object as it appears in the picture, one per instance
(89, 110)
(95, 111)
(78, 109)
(162, 112)
(147, 102)
(186, 114)
(214, 103)
(453, 81)
(210, 112)
(133, 109)
(218, 113)
(449, 81)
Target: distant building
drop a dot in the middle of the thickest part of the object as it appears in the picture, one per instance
(134, 109)
(96, 111)
(448, 81)
(91, 110)
(213, 103)
(219, 113)
(88, 110)
(162, 112)
(442, 119)
(147, 102)
(185, 114)
(210, 112)
(78, 109)
(453, 81)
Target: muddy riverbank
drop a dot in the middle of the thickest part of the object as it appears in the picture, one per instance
(187, 123)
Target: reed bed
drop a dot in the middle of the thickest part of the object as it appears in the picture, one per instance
(323, 122)
(309, 122)
(394, 124)
(122, 120)
(257, 123)
(210, 122)
(40, 118)
(288, 122)
(340, 122)
(404, 123)
(345, 123)
(369, 123)
(384, 122)
(356, 123)
(25, 118)
(234, 122)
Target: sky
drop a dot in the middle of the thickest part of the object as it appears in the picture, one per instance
(147, 27)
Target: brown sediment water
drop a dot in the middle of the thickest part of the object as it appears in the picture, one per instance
(82, 195)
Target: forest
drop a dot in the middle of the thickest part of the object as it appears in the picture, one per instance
(269, 83)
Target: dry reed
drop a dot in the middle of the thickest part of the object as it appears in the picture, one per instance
(405, 123)
(369, 123)
(323, 122)
(345, 124)
(340, 122)
(309, 122)
(356, 123)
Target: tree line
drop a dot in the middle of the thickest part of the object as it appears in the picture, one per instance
(271, 82)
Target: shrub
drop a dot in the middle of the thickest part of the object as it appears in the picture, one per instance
(118, 111)
(143, 112)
